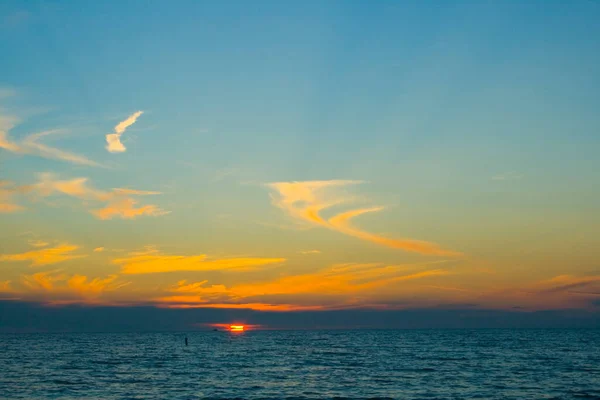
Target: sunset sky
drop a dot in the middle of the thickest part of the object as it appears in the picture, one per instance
(284, 156)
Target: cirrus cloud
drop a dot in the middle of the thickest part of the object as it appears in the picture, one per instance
(32, 145)
(46, 255)
(8, 190)
(306, 200)
(331, 287)
(56, 287)
(118, 202)
(152, 261)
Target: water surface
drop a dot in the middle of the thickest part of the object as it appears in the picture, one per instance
(402, 364)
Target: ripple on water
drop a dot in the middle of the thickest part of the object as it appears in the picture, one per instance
(490, 364)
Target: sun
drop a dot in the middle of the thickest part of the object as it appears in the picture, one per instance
(236, 328)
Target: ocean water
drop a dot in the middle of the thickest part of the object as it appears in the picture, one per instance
(401, 364)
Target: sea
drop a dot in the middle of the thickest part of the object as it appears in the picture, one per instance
(337, 364)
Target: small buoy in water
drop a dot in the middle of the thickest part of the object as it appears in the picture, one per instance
(186, 341)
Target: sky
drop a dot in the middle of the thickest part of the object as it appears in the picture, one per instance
(300, 157)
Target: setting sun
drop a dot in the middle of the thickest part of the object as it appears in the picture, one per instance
(236, 328)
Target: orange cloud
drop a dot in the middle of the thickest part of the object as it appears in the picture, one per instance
(10, 208)
(306, 200)
(183, 302)
(198, 287)
(341, 223)
(119, 202)
(57, 287)
(42, 280)
(310, 252)
(125, 208)
(94, 287)
(195, 293)
(342, 281)
(45, 256)
(339, 279)
(152, 261)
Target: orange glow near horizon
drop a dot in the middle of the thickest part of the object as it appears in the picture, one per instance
(235, 327)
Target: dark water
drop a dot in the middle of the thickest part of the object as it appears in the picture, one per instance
(417, 364)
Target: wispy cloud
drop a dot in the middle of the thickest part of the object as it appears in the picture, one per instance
(57, 287)
(42, 280)
(152, 261)
(196, 292)
(310, 252)
(338, 283)
(125, 208)
(560, 292)
(306, 200)
(98, 249)
(115, 203)
(119, 202)
(566, 283)
(32, 145)
(113, 140)
(87, 287)
(340, 279)
(38, 243)
(7, 192)
(134, 192)
(45, 256)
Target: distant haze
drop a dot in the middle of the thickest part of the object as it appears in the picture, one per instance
(24, 317)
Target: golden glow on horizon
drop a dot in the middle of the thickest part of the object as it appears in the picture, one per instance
(236, 328)
(45, 276)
